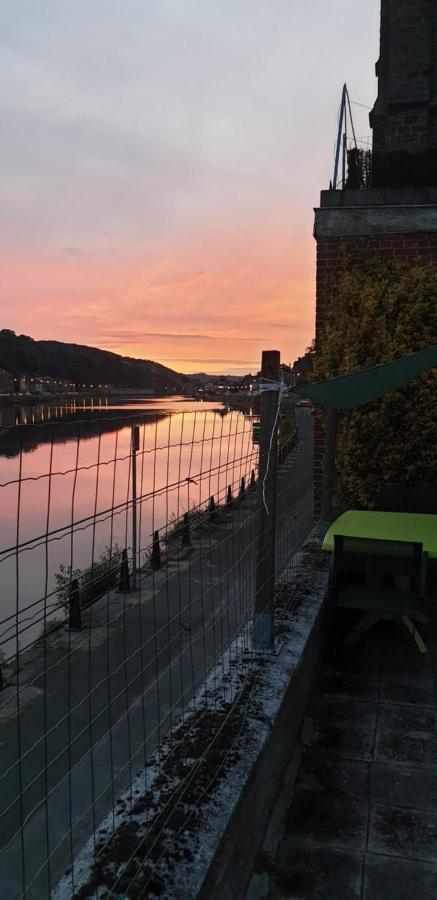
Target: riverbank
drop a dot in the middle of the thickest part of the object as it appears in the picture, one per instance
(34, 399)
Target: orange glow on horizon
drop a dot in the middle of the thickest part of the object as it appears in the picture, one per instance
(207, 303)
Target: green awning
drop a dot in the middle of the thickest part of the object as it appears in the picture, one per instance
(349, 391)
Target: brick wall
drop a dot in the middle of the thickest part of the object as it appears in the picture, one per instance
(330, 251)
(404, 117)
(403, 247)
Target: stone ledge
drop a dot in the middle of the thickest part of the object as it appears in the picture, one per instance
(375, 220)
(234, 823)
(420, 196)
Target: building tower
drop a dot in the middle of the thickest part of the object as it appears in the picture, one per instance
(404, 118)
(393, 214)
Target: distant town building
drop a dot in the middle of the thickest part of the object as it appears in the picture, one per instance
(34, 384)
(6, 383)
(302, 367)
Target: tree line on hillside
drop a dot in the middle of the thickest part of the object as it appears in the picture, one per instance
(20, 354)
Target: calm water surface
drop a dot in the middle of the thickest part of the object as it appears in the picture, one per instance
(66, 487)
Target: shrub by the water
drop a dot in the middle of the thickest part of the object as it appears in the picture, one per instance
(94, 581)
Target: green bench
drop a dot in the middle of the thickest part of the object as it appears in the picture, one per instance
(386, 578)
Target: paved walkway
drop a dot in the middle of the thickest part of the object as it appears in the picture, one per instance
(360, 822)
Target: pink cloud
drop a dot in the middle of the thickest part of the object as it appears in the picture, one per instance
(204, 297)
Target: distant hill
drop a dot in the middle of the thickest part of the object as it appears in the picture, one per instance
(205, 378)
(20, 354)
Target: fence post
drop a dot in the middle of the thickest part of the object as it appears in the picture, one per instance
(263, 632)
(135, 444)
(212, 510)
(123, 584)
(229, 497)
(242, 491)
(155, 559)
(252, 479)
(186, 540)
(74, 611)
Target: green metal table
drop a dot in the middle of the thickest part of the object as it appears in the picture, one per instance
(393, 526)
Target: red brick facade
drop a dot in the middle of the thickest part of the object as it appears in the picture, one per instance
(405, 113)
(330, 252)
(403, 247)
(393, 218)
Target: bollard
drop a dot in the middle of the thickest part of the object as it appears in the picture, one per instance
(74, 612)
(124, 582)
(242, 492)
(212, 510)
(252, 479)
(186, 540)
(229, 498)
(155, 559)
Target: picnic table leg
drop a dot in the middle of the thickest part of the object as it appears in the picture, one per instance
(363, 625)
(408, 626)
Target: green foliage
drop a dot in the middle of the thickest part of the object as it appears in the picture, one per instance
(378, 313)
(93, 581)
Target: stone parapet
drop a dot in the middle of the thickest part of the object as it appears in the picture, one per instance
(375, 220)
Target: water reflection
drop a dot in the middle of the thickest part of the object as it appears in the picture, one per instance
(96, 416)
(23, 413)
(66, 493)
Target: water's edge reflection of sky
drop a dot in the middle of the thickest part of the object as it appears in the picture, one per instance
(44, 411)
(69, 474)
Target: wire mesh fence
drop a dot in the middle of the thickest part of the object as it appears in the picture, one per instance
(127, 575)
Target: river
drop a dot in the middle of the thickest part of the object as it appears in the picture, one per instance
(66, 488)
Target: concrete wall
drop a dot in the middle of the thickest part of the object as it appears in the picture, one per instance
(229, 874)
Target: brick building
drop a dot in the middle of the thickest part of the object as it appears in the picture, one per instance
(395, 215)
(404, 118)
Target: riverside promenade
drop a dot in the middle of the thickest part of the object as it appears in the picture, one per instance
(92, 707)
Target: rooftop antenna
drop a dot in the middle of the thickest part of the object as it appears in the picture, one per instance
(345, 109)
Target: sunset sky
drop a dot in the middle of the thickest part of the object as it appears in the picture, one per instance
(160, 162)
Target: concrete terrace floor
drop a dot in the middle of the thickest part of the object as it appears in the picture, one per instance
(359, 822)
